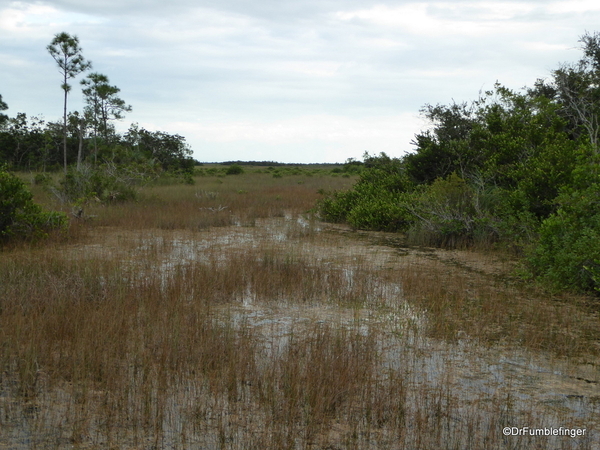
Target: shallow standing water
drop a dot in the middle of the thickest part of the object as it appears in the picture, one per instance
(480, 383)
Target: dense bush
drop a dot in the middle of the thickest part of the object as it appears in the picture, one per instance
(234, 169)
(567, 253)
(453, 212)
(377, 200)
(336, 206)
(20, 217)
(107, 183)
(510, 169)
(382, 212)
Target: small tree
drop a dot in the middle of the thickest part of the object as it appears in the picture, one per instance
(103, 103)
(66, 51)
(577, 87)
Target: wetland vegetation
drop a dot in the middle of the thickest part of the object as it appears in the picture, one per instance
(224, 314)
(433, 301)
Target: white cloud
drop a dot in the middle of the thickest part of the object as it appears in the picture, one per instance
(573, 6)
(337, 134)
(311, 68)
(484, 10)
(15, 61)
(412, 17)
(320, 127)
(34, 20)
(281, 79)
(21, 18)
(437, 19)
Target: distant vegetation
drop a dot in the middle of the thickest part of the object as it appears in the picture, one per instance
(275, 164)
(190, 305)
(518, 170)
(511, 169)
(98, 163)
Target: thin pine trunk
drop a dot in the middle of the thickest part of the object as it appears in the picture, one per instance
(65, 132)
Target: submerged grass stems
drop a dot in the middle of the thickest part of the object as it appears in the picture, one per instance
(460, 303)
(280, 336)
(99, 352)
(109, 346)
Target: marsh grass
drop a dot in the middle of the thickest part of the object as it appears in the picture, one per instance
(155, 328)
(211, 201)
(493, 310)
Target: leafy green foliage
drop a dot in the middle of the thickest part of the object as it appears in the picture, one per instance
(110, 182)
(450, 212)
(66, 51)
(19, 216)
(42, 179)
(169, 150)
(386, 213)
(336, 206)
(376, 202)
(576, 87)
(508, 168)
(234, 169)
(567, 253)
(445, 149)
(27, 143)
(508, 140)
(513, 153)
(103, 103)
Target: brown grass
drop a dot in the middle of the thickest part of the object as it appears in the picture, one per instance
(496, 310)
(151, 328)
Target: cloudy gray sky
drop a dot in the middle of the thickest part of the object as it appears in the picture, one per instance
(291, 81)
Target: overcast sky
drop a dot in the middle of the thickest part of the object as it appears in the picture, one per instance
(288, 80)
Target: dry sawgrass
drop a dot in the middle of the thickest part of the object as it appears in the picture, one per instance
(274, 336)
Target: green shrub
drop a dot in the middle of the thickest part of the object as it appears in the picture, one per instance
(19, 216)
(42, 179)
(336, 206)
(451, 212)
(376, 201)
(444, 213)
(375, 210)
(234, 169)
(448, 212)
(112, 182)
(105, 185)
(185, 176)
(385, 213)
(567, 254)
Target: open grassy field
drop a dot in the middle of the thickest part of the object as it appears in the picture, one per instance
(224, 315)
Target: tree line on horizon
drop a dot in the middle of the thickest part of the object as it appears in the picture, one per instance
(97, 162)
(513, 169)
(88, 136)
